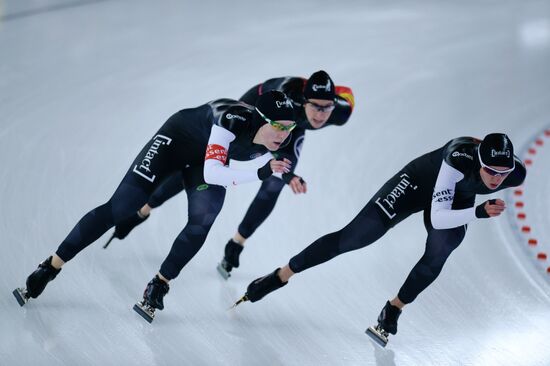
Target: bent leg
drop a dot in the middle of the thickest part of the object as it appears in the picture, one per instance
(439, 246)
(396, 200)
(127, 199)
(157, 159)
(364, 229)
(262, 206)
(204, 206)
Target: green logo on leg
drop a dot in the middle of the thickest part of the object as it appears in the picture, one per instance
(202, 187)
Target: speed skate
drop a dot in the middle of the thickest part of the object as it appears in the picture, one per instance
(223, 269)
(378, 334)
(147, 312)
(21, 295)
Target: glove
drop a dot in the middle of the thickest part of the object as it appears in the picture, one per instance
(123, 228)
(287, 177)
(480, 210)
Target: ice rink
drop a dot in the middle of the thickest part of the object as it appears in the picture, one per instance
(85, 84)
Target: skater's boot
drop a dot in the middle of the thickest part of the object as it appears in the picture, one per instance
(37, 281)
(231, 255)
(388, 317)
(123, 228)
(232, 252)
(230, 259)
(263, 286)
(154, 293)
(152, 299)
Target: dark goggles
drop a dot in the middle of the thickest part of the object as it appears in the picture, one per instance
(322, 108)
(278, 125)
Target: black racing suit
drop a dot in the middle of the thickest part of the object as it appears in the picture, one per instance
(178, 146)
(408, 192)
(266, 198)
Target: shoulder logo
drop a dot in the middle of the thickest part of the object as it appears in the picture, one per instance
(234, 116)
(457, 154)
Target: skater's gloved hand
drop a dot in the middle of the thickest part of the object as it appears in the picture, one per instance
(490, 208)
(296, 183)
(274, 166)
(123, 228)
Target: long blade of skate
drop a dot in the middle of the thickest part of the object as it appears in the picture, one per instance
(377, 336)
(145, 312)
(242, 299)
(109, 241)
(223, 272)
(21, 296)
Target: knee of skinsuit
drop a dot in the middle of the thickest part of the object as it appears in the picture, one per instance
(205, 205)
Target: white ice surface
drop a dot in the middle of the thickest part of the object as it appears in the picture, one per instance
(84, 84)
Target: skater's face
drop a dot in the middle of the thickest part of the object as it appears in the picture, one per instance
(273, 136)
(491, 177)
(318, 111)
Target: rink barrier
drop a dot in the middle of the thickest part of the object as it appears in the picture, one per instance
(520, 219)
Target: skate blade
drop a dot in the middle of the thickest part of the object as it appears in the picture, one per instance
(109, 241)
(223, 272)
(242, 299)
(377, 336)
(145, 311)
(21, 296)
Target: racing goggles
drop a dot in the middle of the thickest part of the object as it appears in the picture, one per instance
(278, 125)
(494, 172)
(322, 108)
